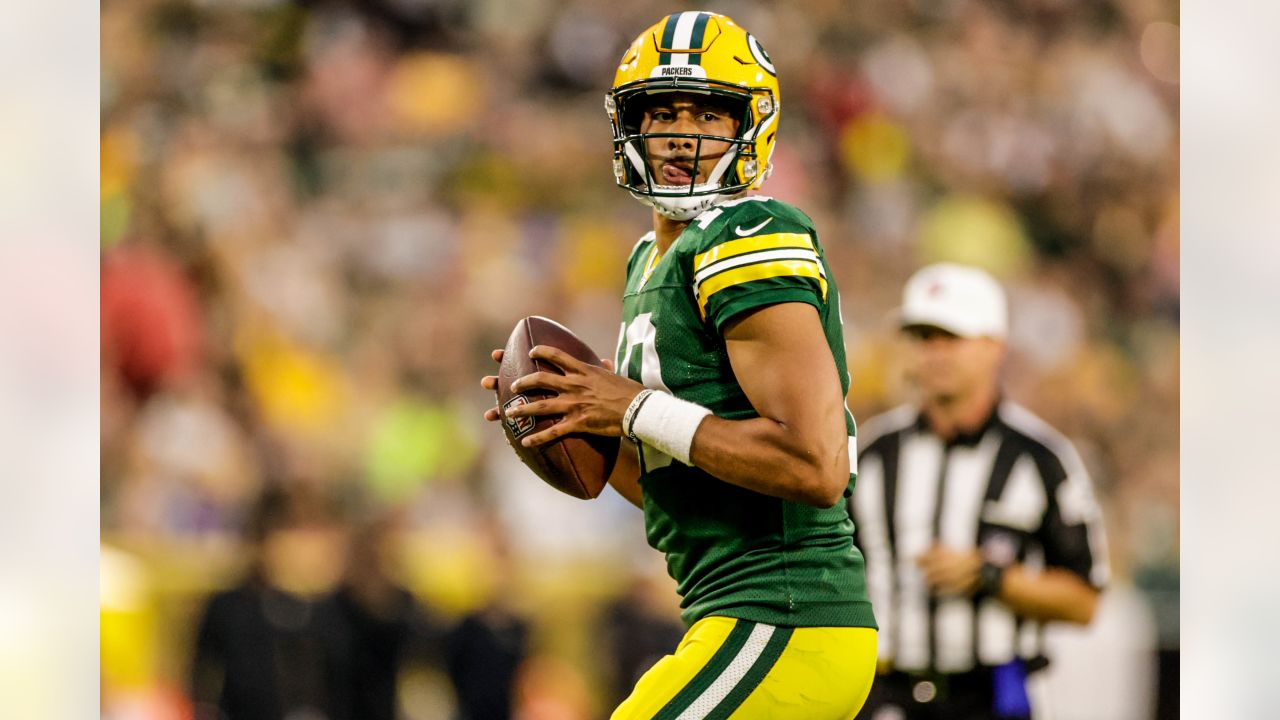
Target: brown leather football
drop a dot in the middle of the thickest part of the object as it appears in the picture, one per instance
(578, 464)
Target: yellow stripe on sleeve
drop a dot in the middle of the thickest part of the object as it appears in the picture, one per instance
(759, 271)
(751, 244)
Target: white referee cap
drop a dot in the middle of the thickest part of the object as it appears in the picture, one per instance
(957, 298)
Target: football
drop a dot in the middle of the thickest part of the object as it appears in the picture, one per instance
(577, 464)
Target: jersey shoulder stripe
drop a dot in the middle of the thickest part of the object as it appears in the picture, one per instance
(751, 243)
(755, 257)
(800, 267)
(740, 246)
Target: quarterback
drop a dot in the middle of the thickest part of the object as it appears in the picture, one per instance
(728, 389)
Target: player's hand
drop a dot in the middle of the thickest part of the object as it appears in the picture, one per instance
(949, 571)
(490, 382)
(589, 398)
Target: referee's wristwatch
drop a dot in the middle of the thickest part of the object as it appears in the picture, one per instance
(990, 579)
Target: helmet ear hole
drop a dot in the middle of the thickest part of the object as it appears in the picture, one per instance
(632, 115)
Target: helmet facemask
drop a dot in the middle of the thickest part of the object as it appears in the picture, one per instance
(735, 170)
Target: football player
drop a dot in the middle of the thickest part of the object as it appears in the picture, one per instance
(729, 393)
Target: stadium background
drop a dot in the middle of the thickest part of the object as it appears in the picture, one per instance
(317, 218)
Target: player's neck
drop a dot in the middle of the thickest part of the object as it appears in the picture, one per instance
(666, 230)
(961, 414)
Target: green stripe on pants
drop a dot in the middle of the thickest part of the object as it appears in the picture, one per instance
(709, 672)
(763, 664)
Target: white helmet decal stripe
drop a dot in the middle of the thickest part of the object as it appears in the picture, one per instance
(683, 35)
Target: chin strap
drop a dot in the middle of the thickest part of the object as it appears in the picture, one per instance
(725, 161)
(681, 209)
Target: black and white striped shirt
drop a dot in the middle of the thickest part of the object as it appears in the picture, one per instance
(1016, 488)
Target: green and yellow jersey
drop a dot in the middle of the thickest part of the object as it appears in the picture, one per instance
(732, 551)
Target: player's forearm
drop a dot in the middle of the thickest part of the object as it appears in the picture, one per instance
(765, 456)
(625, 477)
(1051, 594)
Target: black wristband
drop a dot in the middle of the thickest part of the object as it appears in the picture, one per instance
(629, 419)
(990, 580)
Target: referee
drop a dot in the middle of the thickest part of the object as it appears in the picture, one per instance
(977, 519)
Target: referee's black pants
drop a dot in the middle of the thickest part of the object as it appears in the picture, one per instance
(957, 696)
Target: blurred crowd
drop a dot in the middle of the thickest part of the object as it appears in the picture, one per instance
(318, 218)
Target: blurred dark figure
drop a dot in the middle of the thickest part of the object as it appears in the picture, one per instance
(1160, 583)
(278, 646)
(487, 647)
(484, 652)
(638, 629)
(390, 629)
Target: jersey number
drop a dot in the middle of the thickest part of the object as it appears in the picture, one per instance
(641, 331)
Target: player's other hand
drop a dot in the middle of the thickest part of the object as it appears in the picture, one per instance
(490, 383)
(949, 571)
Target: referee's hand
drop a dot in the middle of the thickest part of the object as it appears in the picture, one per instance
(949, 571)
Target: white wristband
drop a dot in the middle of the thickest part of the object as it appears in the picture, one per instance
(667, 424)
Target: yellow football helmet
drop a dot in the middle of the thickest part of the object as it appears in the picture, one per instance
(695, 52)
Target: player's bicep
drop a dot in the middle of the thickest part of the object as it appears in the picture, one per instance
(781, 359)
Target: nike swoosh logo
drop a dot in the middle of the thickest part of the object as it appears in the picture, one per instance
(751, 231)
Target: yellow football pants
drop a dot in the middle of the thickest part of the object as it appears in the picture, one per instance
(729, 668)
